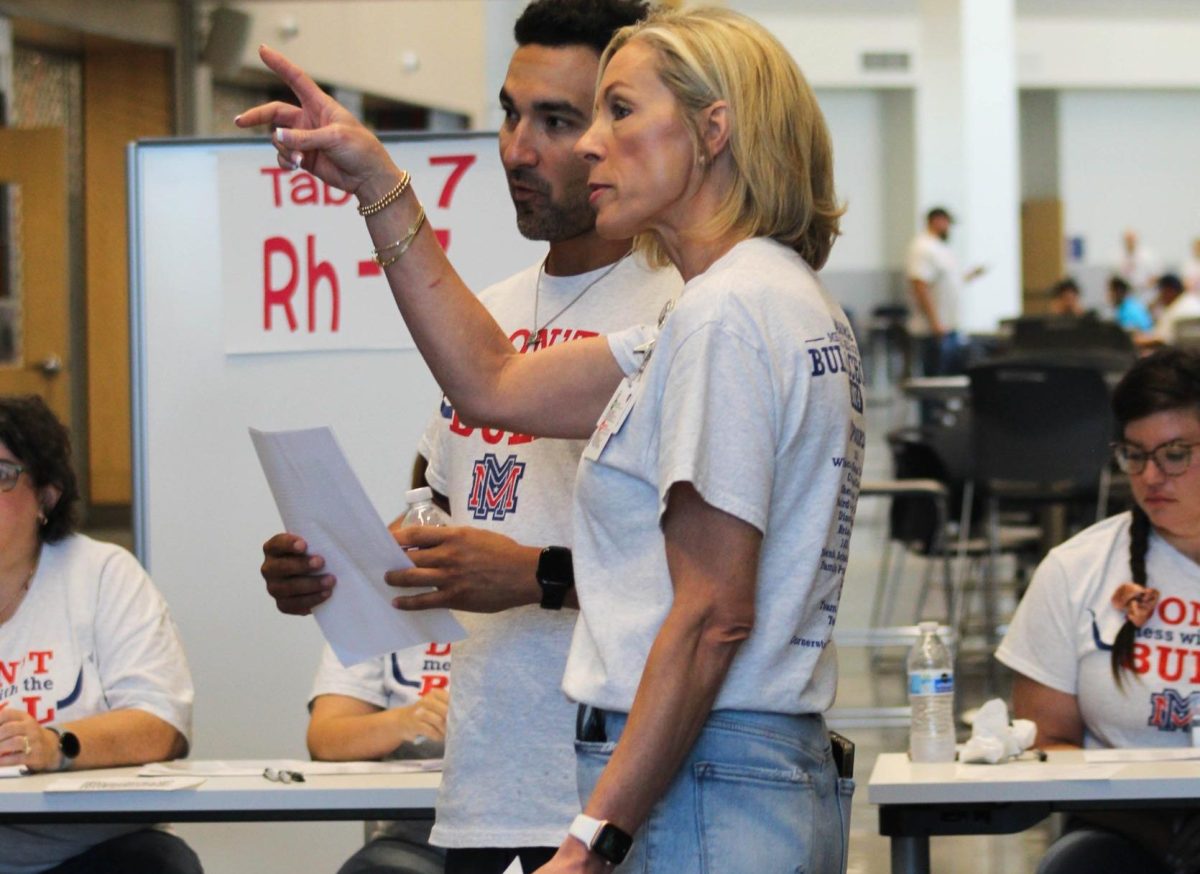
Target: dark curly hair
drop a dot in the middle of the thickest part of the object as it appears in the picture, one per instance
(39, 441)
(576, 22)
(1167, 380)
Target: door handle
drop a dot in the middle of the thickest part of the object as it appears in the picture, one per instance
(51, 365)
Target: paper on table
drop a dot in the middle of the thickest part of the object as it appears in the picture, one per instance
(1126, 756)
(13, 771)
(123, 784)
(321, 499)
(255, 767)
(515, 867)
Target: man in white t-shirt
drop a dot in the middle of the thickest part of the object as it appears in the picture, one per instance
(935, 286)
(1136, 264)
(509, 782)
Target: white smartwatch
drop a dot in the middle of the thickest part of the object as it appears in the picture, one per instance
(601, 837)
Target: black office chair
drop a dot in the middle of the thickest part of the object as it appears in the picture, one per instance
(1069, 333)
(1040, 436)
(934, 525)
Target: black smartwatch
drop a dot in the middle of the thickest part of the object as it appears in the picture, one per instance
(602, 838)
(68, 747)
(555, 575)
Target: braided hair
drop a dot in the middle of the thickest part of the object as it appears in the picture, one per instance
(1167, 380)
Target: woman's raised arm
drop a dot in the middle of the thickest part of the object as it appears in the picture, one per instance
(557, 392)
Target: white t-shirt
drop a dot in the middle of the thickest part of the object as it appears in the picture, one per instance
(1186, 306)
(931, 260)
(510, 759)
(92, 635)
(395, 680)
(1062, 633)
(753, 394)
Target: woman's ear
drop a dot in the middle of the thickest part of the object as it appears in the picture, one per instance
(48, 497)
(714, 128)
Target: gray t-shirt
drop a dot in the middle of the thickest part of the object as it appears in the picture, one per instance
(753, 394)
(509, 779)
(1062, 634)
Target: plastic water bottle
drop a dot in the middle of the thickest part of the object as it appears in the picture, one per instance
(931, 694)
(422, 510)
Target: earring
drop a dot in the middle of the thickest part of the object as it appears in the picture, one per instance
(42, 518)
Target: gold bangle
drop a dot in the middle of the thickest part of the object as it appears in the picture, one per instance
(389, 198)
(401, 245)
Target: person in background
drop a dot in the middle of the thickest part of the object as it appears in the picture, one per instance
(96, 676)
(702, 648)
(1102, 643)
(1065, 299)
(509, 787)
(391, 707)
(1128, 310)
(1191, 268)
(1137, 265)
(1174, 305)
(935, 285)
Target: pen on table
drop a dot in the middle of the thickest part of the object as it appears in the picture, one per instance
(281, 775)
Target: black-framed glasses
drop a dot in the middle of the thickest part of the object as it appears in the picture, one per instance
(10, 472)
(1173, 457)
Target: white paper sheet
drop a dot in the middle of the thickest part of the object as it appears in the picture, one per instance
(515, 867)
(321, 499)
(13, 771)
(124, 784)
(255, 767)
(1127, 756)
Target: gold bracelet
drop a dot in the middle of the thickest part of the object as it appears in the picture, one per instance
(389, 198)
(402, 245)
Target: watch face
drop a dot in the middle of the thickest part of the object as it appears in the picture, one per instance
(612, 844)
(69, 744)
(555, 566)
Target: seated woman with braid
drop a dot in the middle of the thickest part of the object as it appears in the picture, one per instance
(1106, 642)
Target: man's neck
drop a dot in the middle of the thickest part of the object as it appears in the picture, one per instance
(583, 254)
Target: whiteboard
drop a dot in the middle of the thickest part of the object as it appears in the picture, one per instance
(201, 504)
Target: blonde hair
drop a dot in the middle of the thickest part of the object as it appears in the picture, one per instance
(779, 145)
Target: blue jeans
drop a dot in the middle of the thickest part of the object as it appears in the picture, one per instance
(757, 794)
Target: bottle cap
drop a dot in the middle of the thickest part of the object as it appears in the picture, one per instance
(416, 496)
(926, 626)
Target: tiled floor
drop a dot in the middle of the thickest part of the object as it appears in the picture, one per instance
(862, 684)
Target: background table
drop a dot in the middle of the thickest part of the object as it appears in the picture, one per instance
(222, 799)
(917, 801)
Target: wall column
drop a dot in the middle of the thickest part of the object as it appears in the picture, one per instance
(967, 145)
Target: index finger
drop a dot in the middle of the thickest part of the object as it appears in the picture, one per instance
(422, 536)
(295, 78)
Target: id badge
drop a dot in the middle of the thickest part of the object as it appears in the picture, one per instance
(614, 417)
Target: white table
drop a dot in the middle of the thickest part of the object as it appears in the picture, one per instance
(223, 799)
(918, 801)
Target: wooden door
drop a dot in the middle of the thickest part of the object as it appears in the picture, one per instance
(34, 314)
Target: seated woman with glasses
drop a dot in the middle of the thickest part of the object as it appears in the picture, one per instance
(92, 674)
(1106, 642)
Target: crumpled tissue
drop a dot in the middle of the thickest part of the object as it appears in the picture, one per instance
(994, 738)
